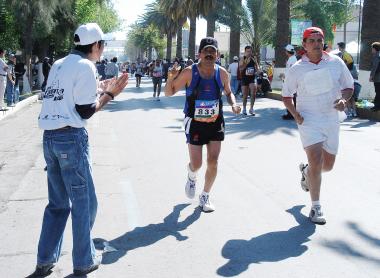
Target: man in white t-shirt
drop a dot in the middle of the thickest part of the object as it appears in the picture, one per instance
(233, 70)
(69, 100)
(292, 59)
(323, 85)
(3, 79)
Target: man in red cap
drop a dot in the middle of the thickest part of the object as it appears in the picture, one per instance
(323, 85)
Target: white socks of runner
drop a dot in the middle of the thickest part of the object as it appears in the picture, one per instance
(315, 203)
(192, 175)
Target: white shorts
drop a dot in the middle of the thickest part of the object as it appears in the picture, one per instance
(326, 132)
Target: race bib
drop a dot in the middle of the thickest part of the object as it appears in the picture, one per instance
(318, 82)
(250, 71)
(157, 74)
(206, 110)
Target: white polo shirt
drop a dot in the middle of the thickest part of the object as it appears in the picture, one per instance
(72, 80)
(317, 85)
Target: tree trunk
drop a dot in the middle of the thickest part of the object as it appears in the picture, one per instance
(282, 32)
(211, 18)
(178, 52)
(370, 32)
(169, 40)
(235, 36)
(150, 53)
(193, 31)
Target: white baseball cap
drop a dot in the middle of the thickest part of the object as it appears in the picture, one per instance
(236, 58)
(289, 48)
(88, 34)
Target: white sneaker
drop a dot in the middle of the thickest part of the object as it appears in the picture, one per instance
(304, 180)
(252, 112)
(190, 188)
(205, 204)
(316, 215)
(244, 112)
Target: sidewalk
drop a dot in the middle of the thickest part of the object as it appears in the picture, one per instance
(20, 105)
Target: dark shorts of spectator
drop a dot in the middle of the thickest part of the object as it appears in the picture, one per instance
(138, 75)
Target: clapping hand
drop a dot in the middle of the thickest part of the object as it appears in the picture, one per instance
(116, 85)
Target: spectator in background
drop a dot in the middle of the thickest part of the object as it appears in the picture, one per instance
(375, 74)
(112, 70)
(3, 79)
(101, 67)
(19, 72)
(166, 69)
(345, 56)
(45, 71)
(292, 59)
(351, 103)
(189, 62)
(233, 70)
(11, 80)
(270, 70)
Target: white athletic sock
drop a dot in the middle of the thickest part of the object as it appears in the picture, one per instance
(204, 193)
(315, 203)
(192, 175)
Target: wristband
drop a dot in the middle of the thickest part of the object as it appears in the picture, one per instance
(109, 94)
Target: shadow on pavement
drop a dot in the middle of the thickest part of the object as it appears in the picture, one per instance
(270, 247)
(346, 249)
(148, 235)
(266, 122)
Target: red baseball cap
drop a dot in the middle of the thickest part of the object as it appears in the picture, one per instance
(312, 30)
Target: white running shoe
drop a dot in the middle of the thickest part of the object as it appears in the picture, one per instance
(252, 112)
(304, 179)
(190, 187)
(244, 112)
(205, 204)
(316, 215)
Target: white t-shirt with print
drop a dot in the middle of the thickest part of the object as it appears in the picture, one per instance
(72, 80)
(317, 85)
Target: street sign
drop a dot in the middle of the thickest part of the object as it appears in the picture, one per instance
(297, 28)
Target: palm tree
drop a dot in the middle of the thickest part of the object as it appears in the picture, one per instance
(282, 31)
(370, 32)
(230, 14)
(156, 16)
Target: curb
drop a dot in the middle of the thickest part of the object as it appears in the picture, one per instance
(22, 104)
(362, 112)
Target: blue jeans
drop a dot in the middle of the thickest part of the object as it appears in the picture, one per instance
(10, 92)
(234, 84)
(66, 153)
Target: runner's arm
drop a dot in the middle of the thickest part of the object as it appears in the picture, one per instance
(227, 91)
(177, 81)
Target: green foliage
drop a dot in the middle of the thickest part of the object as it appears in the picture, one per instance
(8, 32)
(146, 37)
(324, 13)
(101, 12)
(259, 23)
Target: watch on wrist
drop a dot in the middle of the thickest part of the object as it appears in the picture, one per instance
(109, 94)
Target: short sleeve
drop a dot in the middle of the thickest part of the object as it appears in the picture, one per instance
(85, 87)
(289, 87)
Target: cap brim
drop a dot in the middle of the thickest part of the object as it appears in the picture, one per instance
(213, 46)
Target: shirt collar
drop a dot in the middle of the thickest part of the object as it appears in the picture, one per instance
(325, 57)
(80, 53)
